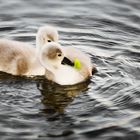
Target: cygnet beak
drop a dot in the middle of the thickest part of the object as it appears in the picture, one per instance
(66, 61)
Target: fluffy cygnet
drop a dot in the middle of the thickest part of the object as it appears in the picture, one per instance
(51, 57)
(20, 58)
(70, 52)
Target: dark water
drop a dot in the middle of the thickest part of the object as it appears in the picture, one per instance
(107, 107)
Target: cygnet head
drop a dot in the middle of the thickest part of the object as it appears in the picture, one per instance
(45, 35)
(51, 56)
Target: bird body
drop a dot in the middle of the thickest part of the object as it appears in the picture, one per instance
(86, 65)
(19, 58)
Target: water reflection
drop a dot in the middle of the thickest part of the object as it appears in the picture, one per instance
(56, 98)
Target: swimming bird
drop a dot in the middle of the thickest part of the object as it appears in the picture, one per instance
(20, 58)
(71, 54)
(51, 56)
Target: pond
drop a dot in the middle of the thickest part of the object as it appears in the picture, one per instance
(104, 108)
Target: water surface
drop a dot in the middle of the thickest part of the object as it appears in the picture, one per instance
(107, 107)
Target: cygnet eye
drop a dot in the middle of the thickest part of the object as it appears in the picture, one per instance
(49, 40)
(59, 54)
